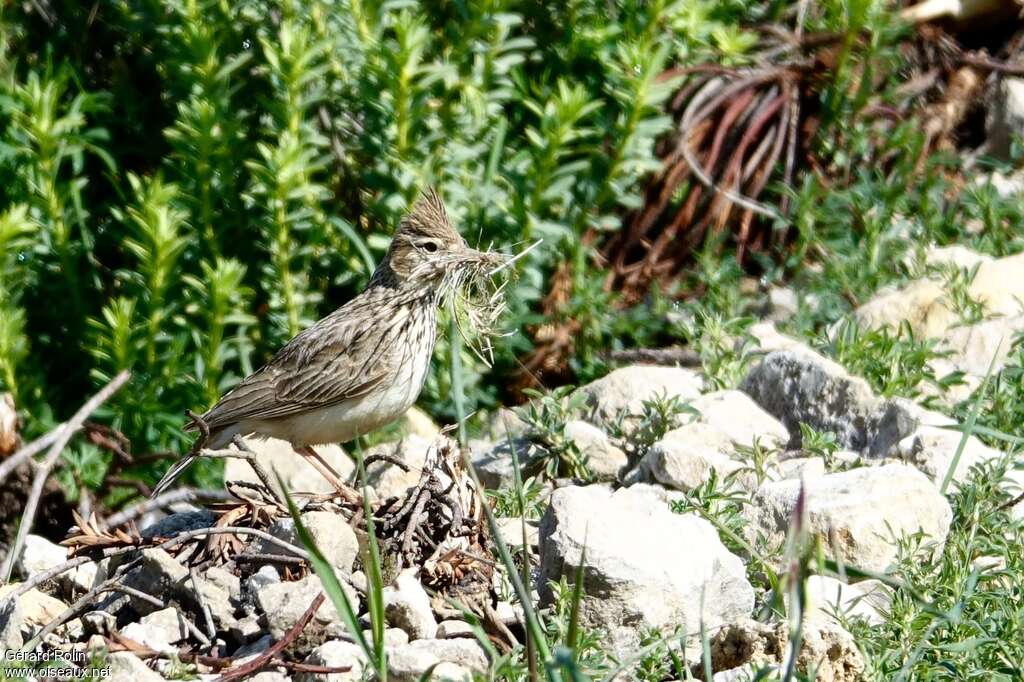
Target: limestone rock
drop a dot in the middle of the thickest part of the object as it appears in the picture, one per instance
(335, 654)
(298, 474)
(685, 457)
(742, 420)
(282, 604)
(331, 532)
(39, 554)
(624, 390)
(389, 480)
(634, 579)
(407, 606)
(826, 648)
(127, 667)
(800, 385)
(829, 597)
(408, 662)
(604, 460)
(862, 509)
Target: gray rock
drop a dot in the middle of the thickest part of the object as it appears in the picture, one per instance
(127, 667)
(454, 628)
(282, 604)
(783, 304)
(862, 509)
(800, 385)
(801, 467)
(634, 579)
(407, 606)
(158, 574)
(11, 622)
(173, 524)
(604, 460)
(493, 462)
(407, 663)
(511, 530)
(624, 390)
(331, 533)
(169, 622)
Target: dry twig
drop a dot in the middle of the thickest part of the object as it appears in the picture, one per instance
(44, 468)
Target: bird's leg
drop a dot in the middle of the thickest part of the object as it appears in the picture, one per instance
(328, 472)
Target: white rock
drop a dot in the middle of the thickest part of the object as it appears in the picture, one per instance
(298, 474)
(511, 530)
(920, 437)
(408, 662)
(769, 339)
(407, 606)
(1004, 118)
(624, 390)
(169, 623)
(604, 460)
(283, 604)
(270, 676)
(783, 304)
(735, 414)
(955, 254)
(148, 636)
(925, 303)
(417, 422)
(127, 667)
(454, 628)
(33, 610)
(685, 457)
(828, 597)
(861, 508)
(827, 649)
(39, 554)
(331, 532)
(634, 578)
(335, 654)
(800, 385)
(389, 480)
(801, 467)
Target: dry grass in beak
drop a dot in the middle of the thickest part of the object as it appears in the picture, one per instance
(476, 298)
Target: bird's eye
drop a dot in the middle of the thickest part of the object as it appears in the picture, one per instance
(429, 247)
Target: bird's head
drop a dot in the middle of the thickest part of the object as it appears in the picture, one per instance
(427, 251)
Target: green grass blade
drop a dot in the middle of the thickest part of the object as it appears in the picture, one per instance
(573, 634)
(374, 579)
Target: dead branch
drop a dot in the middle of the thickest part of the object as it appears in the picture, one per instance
(43, 469)
(244, 671)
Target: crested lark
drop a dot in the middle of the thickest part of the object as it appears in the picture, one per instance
(363, 365)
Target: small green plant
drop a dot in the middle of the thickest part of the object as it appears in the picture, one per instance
(757, 459)
(508, 501)
(957, 283)
(894, 363)
(636, 433)
(819, 444)
(546, 415)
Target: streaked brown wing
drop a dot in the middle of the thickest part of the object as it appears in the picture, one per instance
(337, 359)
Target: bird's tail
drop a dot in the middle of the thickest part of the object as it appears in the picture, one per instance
(172, 474)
